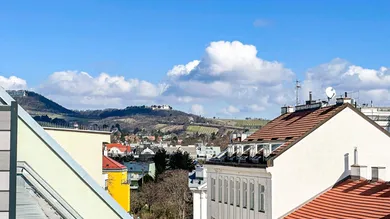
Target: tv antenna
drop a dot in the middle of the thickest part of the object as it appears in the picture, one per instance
(330, 93)
(297, 87)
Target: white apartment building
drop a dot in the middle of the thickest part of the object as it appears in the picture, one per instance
(293, 159)
(198, 186)
(380, 115)
(207, 152)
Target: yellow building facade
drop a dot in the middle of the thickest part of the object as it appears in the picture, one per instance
(117, 184)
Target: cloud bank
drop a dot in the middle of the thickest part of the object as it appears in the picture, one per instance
(229, 78)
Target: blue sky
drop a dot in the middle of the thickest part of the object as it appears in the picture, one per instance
(145, 39)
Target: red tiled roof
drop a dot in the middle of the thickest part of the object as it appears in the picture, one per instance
(110, 164)
(349, 199)
(121, 147)
(290, 127)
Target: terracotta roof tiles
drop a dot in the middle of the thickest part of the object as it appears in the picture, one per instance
(290, 127)
(121, 147)
(110, 164)
(349, 199)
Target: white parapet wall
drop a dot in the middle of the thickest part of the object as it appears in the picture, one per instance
(84, 146)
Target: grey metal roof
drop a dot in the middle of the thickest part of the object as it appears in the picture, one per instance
(29, 205)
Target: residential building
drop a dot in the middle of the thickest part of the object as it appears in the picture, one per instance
(198, 186)
(84, 146)
(293, 159)
(207, 152)
(380, 115)
(117, 149)
(353, 197)
(39, 165)
(117, 183)
(138, 170)
(191, 150)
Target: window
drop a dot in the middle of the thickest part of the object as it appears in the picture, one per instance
(245, 195)
(238, 193)
(252, 196)
(226, 186)
(274, 146)
(231, 191)
(261, 198)
(212, 189)
(220, 190)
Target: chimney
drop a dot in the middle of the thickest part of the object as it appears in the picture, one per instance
(287, 109)
(357, 171)
(345, 94)
(377, 174)
(310, 101)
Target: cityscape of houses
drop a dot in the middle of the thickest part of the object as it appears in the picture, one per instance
(299, 165)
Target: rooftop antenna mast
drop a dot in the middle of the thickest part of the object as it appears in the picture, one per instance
(297, 87)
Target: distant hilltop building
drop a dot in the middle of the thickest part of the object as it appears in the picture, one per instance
(161, 107)
(17, 93)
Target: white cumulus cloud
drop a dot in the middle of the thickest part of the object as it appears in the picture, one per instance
(233, 73)
(12, 83)
(230, 110)
(363, 83)
(81, 88)
(179, 70)
(197, 109)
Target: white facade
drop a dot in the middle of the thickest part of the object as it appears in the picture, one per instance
(207, 152)
(198, 187)
(380, 115)
(324, 157)
(306, 169)
(238, 193)
(85, 147)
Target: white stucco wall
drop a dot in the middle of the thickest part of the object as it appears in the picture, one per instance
(199, 204)
(318, 161)
(85, 147)
(218, 210)
(60, 176)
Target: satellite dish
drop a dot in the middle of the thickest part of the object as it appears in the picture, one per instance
(330, 92)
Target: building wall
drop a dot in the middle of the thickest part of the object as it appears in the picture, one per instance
(220, 210)
(199, 204)
(324, 157)
(60, 176)
(85, 147)
(118, 188)
(5, 161)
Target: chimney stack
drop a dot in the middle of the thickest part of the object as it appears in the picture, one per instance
(346, 94)
(357, 171)
(287, 109)
(377, 174)
(310, 96)
(355, 156)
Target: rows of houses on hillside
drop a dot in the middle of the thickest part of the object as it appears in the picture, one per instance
(313, 161)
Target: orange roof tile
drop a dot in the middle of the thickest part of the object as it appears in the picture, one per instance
(110, 164)
(290, 127)
(348, 199)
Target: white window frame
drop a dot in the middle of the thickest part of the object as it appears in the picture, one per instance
(261, 202)
(252, 195)
(244, 194)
